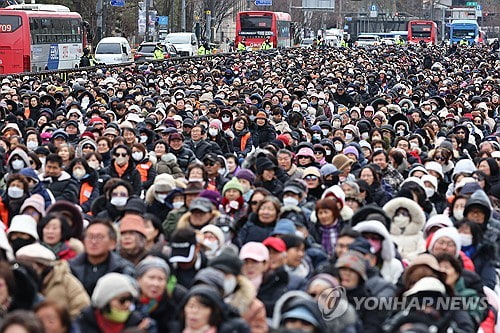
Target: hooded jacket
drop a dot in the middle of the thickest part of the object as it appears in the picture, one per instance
(168, 164)
(391, 268)
(63, 287)
(407, 235)
(252, 310)
(131, 175)
(38, 188)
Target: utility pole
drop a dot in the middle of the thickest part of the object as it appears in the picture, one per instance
(183, 16)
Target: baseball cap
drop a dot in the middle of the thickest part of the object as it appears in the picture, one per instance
(254, 250)
(275, 243)
(183, 245)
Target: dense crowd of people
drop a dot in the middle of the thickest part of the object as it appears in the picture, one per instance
(233, 193)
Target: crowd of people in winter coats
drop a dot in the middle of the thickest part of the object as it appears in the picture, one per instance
(238, 193)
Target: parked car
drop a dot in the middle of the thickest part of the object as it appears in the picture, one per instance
(367, 40)
(113, 50)
(146, 49)
(185, 43)
(307, 42)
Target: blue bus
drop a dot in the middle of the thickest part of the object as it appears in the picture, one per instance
(460, 29)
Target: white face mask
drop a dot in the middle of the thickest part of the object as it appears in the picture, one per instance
(200, 180)
(79, 173)
(429, 191)
(290, 201)
(138, 156)
(365, 135)
(121, 160)
(339, 146)
(15, 192)
(328, 152)
(229, 285)
(401, 219)
(303, 106)
(213, 131)
(317, 136)
(119, 201)
(296, 109)
(321, 102)
(325, 131)
(31, 145)
(466, 239)
(348, 136)
(212, 245)
(95, 165)
(144, 138)
(17, 165)
(458, 214)
(177, 204)
(160, 197)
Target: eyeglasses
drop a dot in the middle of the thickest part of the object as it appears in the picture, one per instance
(439, 158)
(209, 163)
(311, 177)
(302, 157)
(123, 300)
(461, 132)
(122, 155)
(318, 152)
(254, 203)
(95, 238)
(478, 178)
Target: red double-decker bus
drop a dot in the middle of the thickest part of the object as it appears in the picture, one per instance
(421, 30)
(256, 26)
(39, 37)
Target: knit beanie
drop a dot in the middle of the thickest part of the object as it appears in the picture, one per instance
(246, 174)
(110, 286)
(151, 262)
(233, 184)
(450, 232)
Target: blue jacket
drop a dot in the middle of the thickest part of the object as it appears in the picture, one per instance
(38, 189)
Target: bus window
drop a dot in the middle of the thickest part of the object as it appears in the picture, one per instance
(256, 23)
(9, 23)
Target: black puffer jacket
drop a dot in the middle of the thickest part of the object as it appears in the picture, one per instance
(238, 136)
(184, 156)
(200, 148)
(131, 175)
(62, 188)
(262, 135)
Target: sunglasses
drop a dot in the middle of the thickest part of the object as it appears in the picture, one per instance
(209, 163)
(439, 158)
(311, 177)
(125, 299)
(121, 155)
(87, 147)
(302, 157)
(318, 152)
(253, 203)
(460, 132)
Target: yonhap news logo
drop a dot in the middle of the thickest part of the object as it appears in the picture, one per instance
(333, 303)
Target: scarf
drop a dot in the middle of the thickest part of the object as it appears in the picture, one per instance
(106, 325)
(329, 237)
(150, 304)
(120, 170)
(232, 210)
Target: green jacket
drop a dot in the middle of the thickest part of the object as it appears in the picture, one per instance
(170, 222)
(477, 313)
(241, 47)
(266, 46)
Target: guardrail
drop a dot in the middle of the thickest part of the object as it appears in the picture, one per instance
(63, 73)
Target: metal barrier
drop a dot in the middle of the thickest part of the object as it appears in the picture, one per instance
(63, 73)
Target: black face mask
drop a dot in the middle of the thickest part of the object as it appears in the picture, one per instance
(19, 243)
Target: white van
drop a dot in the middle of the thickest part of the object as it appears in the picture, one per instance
(185, 43)
(113, 50)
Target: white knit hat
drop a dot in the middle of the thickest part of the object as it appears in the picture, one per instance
(450, 232)
(110, 286)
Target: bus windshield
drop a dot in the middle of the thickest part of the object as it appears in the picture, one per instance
(421, 30)
(459, 33)
(256, 23)
(108, 48)
(9, 23)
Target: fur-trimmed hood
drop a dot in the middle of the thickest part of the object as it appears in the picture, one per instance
(244, 295)
(388, 251)
(184, 219)
(417, 216)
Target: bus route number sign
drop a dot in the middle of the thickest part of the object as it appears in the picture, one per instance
(5, 27)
